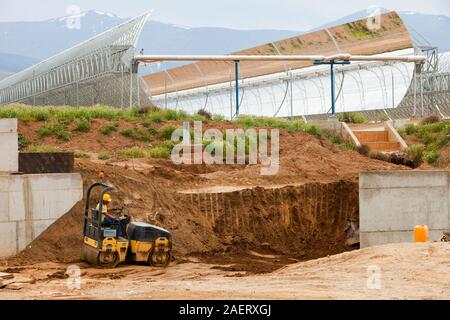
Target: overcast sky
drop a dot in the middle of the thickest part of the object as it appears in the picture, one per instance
(239, 14)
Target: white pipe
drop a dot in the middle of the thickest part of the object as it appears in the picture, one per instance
(156, 58)
(338, 57)
(414, 58)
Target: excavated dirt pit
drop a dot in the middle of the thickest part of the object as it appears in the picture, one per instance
(239, 229)
(261, 229)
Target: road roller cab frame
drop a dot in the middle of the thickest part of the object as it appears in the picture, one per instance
(101, 246)
(138, 241)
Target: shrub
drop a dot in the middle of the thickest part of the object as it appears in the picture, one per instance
(431, 156)
(335, 139)
(170, 114)
(135, 134)
(312, 129)
(134, 152)
(45, 131)
(159, 152)
(166, 131)
(22, 141)
(155, 117)
(416, 152)
(41, 115)
(169, 144)
(103, 156)
(442, 140)
(81, 155)
(63, 135)
(83, 125)
(148, 125)
(347, 146)
(426, 138)
(410, 129)
(127, 132)
(352, 117)
(152, 131)
(295, 125)
(109, 128)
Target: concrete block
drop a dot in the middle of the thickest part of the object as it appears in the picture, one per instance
(29, 204)
(10, 183)
(369, 239)
(21, 236)
(403, 179)
(8, 125)
(4, 207)
(54, 181)
(403, 208)
(392, 203)
(39, 226)
(49, 203)
(16, 206)
(8, 239)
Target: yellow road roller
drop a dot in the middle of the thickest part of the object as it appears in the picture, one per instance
(109, 242)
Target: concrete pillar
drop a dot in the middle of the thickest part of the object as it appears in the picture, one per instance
(9, 147)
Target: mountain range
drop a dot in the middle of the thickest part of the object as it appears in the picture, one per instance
(23, 44)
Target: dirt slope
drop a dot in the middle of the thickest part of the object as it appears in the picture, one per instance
(407, 271)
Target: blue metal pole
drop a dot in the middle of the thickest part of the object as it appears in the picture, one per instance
(332, 88)
(236, 69)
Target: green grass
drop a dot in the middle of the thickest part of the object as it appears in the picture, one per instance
(417, 151)
(433, 135)
(347, 146)
(83, 125)
(134, 152)
(43, 149)
(166, 131)
(58, 130)
(65, 114)
(166, 114)
(81, 155)
(104, 155)
(334, 138)
(352, 117)
(22, 141)
(109, 128)
(136, 134)
(218, 118)
(410, 129)
(431, 156)
(291, 126)
(162, 152)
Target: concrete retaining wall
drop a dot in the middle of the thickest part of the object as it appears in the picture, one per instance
(8, 146)
(31, 203)
(392, 202)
